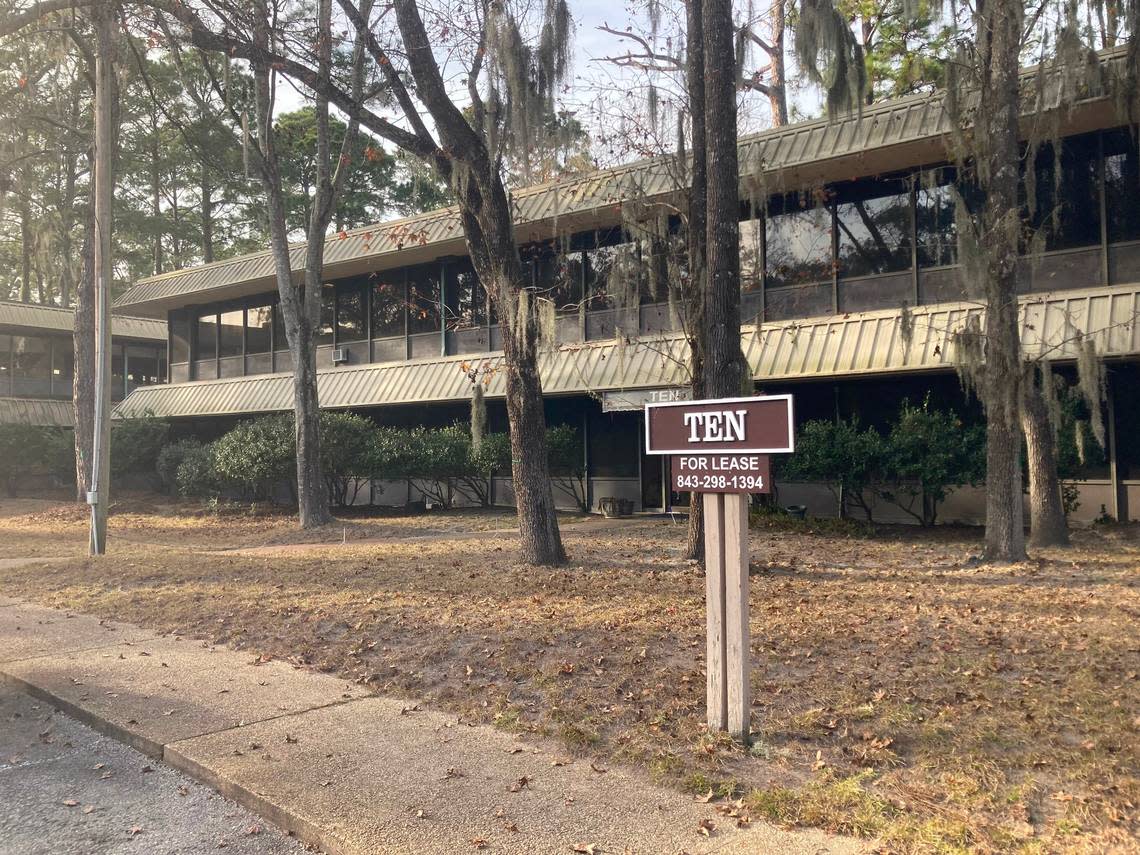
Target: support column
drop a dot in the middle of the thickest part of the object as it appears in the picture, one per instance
(737, 641)
(715, 653)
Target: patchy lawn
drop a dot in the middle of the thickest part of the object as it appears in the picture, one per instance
(899, 692)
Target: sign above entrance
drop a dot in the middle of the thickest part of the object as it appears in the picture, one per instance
(636, 399)
(721, 473)
(758, 425)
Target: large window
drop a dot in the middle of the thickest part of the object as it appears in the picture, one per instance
(935, 218)
(798, 241)
(1122, 185)
(751, 254)
(143, 366)
(558, 277)
(206, 337)
(31, 366)
(328, 312)
(231, 333)
(423, 299)
(259, 327)
(62, 368)
(118, 372)
(179, 339)
(1067, 210)
(388, 304)
(466, 303)
(351, 321)
(873, 221)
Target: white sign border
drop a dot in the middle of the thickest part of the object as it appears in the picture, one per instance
(791, 447)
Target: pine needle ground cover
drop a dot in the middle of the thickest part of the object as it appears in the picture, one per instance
(900, 693)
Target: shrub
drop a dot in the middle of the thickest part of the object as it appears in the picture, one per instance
(842, 456)
(170, 458)
(31, 450)
(136, 443)
(346, 455)
(257, 455)
(493, 455)
(565, 455)
(197, 474)
(929, 454)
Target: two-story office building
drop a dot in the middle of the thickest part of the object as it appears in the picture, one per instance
(37, 361)
(843, 224)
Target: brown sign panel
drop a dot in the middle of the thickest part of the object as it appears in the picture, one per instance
(758, 425)
(721, 473)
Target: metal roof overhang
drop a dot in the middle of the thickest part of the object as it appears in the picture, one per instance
(866, 343)
(38, 413)
(23, 318)
(891, 136)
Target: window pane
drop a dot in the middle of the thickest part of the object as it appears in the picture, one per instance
(798, 243)
(874, 229)
(465, 298)
(118, 375)
(179, 339)
(328, 309)
(423, 299)
(1068, 215)
(388, 304)
(142, 366)
(62, 368)
(31, 367)
(258, 330)
(610, 270)
(1122, 185)
(751, 236)
(280, 342)
(935, 220)
(231, 332)
(350, 321)
(207, 337)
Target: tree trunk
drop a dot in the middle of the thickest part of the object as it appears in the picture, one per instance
(156, 198)
(1047, 523)
(25, 249)
(697, 216)
(1000, 35)
(207, 209)
(777, 78)
(724, 363)
(83, 339)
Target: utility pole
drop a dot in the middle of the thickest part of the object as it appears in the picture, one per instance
(98, 497)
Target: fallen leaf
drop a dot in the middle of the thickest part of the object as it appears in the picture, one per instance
(706, 827)
(89, 808)
(586, 848)
(70, 803)
(479, 842)
(134, 830)
(706, 798)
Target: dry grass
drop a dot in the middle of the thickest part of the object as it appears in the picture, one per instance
(899, 693)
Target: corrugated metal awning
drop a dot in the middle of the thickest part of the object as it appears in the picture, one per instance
(836, 346)
(787, 157)
(29, 411)
(32, 316)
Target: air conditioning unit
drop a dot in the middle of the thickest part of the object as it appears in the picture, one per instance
(339, 355)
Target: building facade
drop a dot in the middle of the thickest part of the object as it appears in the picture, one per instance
(853, 286)
(37, 361)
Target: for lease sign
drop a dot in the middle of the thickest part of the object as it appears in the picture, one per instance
(721, 473)
(757, 425)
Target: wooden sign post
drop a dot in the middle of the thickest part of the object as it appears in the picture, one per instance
(720, 449)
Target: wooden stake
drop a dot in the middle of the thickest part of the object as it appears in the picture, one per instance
(737, 660)
(716, 688)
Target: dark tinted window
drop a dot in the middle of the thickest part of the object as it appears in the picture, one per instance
(873, 222)
(935, 221)
(31, 366)
(465, 300)
(1067, 210)
(231, 332)
(350, 314)
(259, 326)
(798, 241)
(207, 337)
(423, 299)
(388, 304)
(62, 367)
(1122, 185)
(328, 310)
(179, 339)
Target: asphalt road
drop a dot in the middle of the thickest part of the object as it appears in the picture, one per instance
(66, 790)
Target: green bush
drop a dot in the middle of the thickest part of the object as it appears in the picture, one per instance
(929, 454)
(346, 455)
(27, 450)
(196, 475)
(258, 455)
(493, 456)
(136, 443)
(565, 455)
(170, 458)
(842, 456)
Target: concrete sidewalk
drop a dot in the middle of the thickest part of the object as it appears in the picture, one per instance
(346, 770)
